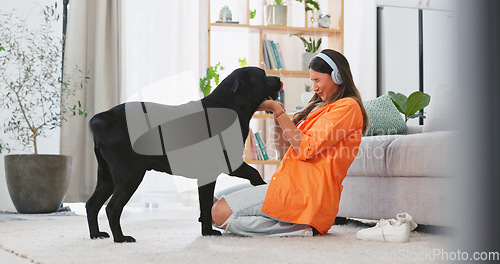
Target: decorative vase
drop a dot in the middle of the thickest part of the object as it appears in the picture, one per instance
(275, 15)
(225, 14)
(37, 183)
(305, 60)
(306, 96)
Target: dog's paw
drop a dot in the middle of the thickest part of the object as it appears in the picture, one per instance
(125, 239)
(211, 233)
(99, 235)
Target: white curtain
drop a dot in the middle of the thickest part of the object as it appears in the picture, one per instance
(160, 40)
(92, 45)
(150, 50)
(162, 54)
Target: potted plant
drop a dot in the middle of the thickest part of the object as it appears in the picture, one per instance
(212, 73)
(409, 106)
(307, 94)
(276, 13)
(32, 88)
(311, 46)
(277, 10)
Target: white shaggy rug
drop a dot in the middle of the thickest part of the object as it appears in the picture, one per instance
(63, 238)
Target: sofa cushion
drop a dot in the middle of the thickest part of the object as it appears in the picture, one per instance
(371, 158)
(384, 117)
(420, 155)
(441, 114)
(414, 129)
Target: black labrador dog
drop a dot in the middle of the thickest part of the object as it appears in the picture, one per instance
(121, 169)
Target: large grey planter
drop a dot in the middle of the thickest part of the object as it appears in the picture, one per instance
(37, 183)
(305, 60)
(275, 15)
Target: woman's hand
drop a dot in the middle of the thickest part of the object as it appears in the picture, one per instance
(271, 105)
(292, 134)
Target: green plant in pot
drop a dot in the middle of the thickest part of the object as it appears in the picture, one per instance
(212, 73)
(310, 5)
(33, 91)
(276, 11)
(411, 105)
(307, 94)
(311, 47)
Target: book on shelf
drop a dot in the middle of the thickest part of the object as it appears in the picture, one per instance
(270, 54)
(273, 59)
(280, 56)
(252, 151)
(256, 147)
(265, 57)
(227, 21)
(276, 56)
(262, 147)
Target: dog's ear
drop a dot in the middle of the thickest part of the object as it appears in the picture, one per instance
(239, 81)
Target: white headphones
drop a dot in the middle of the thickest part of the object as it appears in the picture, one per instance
(337, 79)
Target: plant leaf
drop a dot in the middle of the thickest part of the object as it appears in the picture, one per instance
(243, 62)
(399, 100)
(252, 14)
(314, 3)
(318, 44)
(417, 101)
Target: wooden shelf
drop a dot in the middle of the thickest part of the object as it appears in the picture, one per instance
(262, 114)
(263, 162)
(291, 74)
(334, 38)
(335, 35)
(281, 29)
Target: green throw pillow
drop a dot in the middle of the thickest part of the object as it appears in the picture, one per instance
(385, 118)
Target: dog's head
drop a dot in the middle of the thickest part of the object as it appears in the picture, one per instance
(248, 87)
(253, 81)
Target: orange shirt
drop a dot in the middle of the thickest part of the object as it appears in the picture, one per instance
(306, 187)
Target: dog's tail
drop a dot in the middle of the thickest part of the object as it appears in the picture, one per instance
(104, 123)
(98, 127)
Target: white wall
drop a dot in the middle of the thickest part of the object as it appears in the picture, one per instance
(50, 145)
(360, 41)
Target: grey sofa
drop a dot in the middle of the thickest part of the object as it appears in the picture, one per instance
(410, 173)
